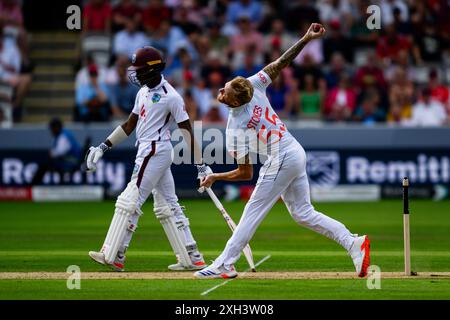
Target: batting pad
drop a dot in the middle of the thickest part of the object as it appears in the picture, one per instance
(126, 206)
(175, 235)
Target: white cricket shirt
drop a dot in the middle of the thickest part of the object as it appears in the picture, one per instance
(255, 127)
(158, 108)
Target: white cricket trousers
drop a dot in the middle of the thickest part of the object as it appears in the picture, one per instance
(287, 179)
(152, 171)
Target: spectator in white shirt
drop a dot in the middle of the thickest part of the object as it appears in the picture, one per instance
(82, 76)
(428, 112)
(13, 71)
(9, 60)
(127, 41)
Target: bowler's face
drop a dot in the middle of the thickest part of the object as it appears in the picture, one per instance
(225, 95)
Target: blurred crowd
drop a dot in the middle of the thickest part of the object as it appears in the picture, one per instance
(15, 66)
(352, 74)
(397, 74)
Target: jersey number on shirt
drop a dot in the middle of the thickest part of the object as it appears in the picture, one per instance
(264, 135)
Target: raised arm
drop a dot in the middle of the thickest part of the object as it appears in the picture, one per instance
(273, 69)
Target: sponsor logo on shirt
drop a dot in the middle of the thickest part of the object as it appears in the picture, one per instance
(156, 97)
(262, 77)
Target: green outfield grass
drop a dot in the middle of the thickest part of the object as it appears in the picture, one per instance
(237, 289)
(48, 237)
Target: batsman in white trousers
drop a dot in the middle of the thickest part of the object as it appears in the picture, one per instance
(157, 107)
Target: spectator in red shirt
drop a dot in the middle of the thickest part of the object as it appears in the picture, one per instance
(440, 9)
(370, 75)
(123, 13)
(97, 16)
(341, 100)
(10, 13)
(154, 14)
(438, 90)
(389, 45)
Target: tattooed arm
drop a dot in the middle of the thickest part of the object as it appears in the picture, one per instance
(273, 69)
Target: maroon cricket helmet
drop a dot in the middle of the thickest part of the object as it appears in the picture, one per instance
(146, 63)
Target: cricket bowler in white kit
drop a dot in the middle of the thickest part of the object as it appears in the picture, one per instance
(156, 108)
(254, 127)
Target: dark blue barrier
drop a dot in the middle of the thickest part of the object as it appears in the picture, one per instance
(326, 167)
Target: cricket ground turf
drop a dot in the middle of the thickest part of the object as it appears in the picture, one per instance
(39, 241)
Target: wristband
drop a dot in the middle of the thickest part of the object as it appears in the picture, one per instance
(117, 136)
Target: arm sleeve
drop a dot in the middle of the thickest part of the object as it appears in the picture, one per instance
(178, 109)
(260, 81)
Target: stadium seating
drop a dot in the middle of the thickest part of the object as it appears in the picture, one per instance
(52, 92)
(98, 46)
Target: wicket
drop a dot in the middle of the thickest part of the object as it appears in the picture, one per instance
(406, 227)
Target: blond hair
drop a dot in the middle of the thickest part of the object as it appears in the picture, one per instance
(243, 90)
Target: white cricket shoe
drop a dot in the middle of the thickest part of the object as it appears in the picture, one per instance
(216, 273)
(197, 263)
(99, 257)
(360, 254)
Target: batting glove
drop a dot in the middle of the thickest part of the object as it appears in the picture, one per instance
(93, 155)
